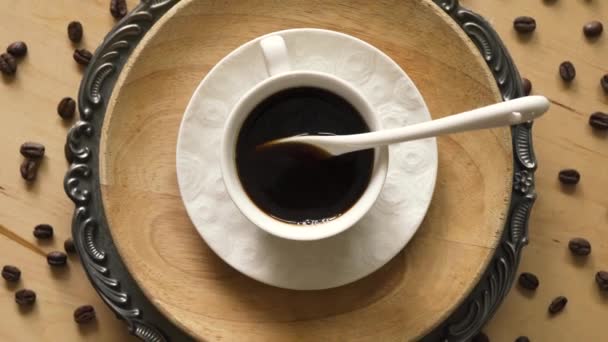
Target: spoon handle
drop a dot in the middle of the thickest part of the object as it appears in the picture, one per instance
(501, 114)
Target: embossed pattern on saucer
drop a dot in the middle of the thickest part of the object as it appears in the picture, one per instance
(335, 261)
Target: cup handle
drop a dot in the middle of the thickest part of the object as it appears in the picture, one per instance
(275, 55)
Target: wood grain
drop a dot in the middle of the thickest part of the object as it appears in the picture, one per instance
(562, 139)
(206, 297)
(29, 102)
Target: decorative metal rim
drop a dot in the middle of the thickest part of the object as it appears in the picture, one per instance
(117, 288)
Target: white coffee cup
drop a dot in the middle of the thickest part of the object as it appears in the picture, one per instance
(282, 77)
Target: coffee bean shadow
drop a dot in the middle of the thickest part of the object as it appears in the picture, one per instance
(45, 242)
(593, 3)
(579, 261)
(570, 86)
(8, 79)
(599, 133)
(73, 257)
(27, 309)
(88, 328)
(32, 186)
(67, 123)
(602, 294)
(11, 285)
(526, 293)
(550, 2)
(568, 188)
(592, 40)
(60, 272)
(524, 37)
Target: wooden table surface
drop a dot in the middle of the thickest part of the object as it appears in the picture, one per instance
(562, 139)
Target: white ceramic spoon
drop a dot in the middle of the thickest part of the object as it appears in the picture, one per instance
(506, 113)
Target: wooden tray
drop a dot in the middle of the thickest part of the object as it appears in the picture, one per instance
(158, 274)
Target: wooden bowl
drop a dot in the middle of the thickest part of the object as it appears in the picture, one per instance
(198, 292)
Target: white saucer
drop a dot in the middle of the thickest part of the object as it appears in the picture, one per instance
(321, 264)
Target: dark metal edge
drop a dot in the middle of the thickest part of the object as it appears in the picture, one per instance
(483, 301)
(118, 289)
(92, 238)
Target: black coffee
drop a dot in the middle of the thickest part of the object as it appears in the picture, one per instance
(294, 183)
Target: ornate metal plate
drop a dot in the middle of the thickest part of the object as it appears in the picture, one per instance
(109, 275)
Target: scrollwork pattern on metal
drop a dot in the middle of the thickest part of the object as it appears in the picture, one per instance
(109, 275)
(466, 321)
(81, 183)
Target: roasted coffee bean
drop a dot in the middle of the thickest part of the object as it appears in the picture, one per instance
(522, 339)
(567, 71)
(56, 258)
(8, 64)
(481, 337)
(82, 56)
(528, 281)
(601, 278)
(524, 24)
(69, 247)
(599, 120)
(604, 82)
(43, 231)
(558, 304)
(579, 246)
(25, 297)
(11, 273)
(118, 8)
(29, 169)
(75, 31)
(17, 49)
(66, 108)
(84, 314)
(32, 150)
(569, 176)
(593, 29)
(527, 86)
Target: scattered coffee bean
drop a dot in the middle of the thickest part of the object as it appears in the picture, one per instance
(601, 278)
(593, 29)
(12, 273)
(569, 176)
(528, 281)
(604, 82)
(69, 247)
(8, 64)
(17, 49)
(25, 297)
(558, 304)
(527, 86)
(66, 108)
(82, 56)
(567, 71)
(524, 24)
(43, 231)
(32, 150)
(579, 246)
(118, 8)
(481, 337)
(522, 339)
(29, 169)
(599, 120)
(84, 314)
(75, 31)
(56, 258)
